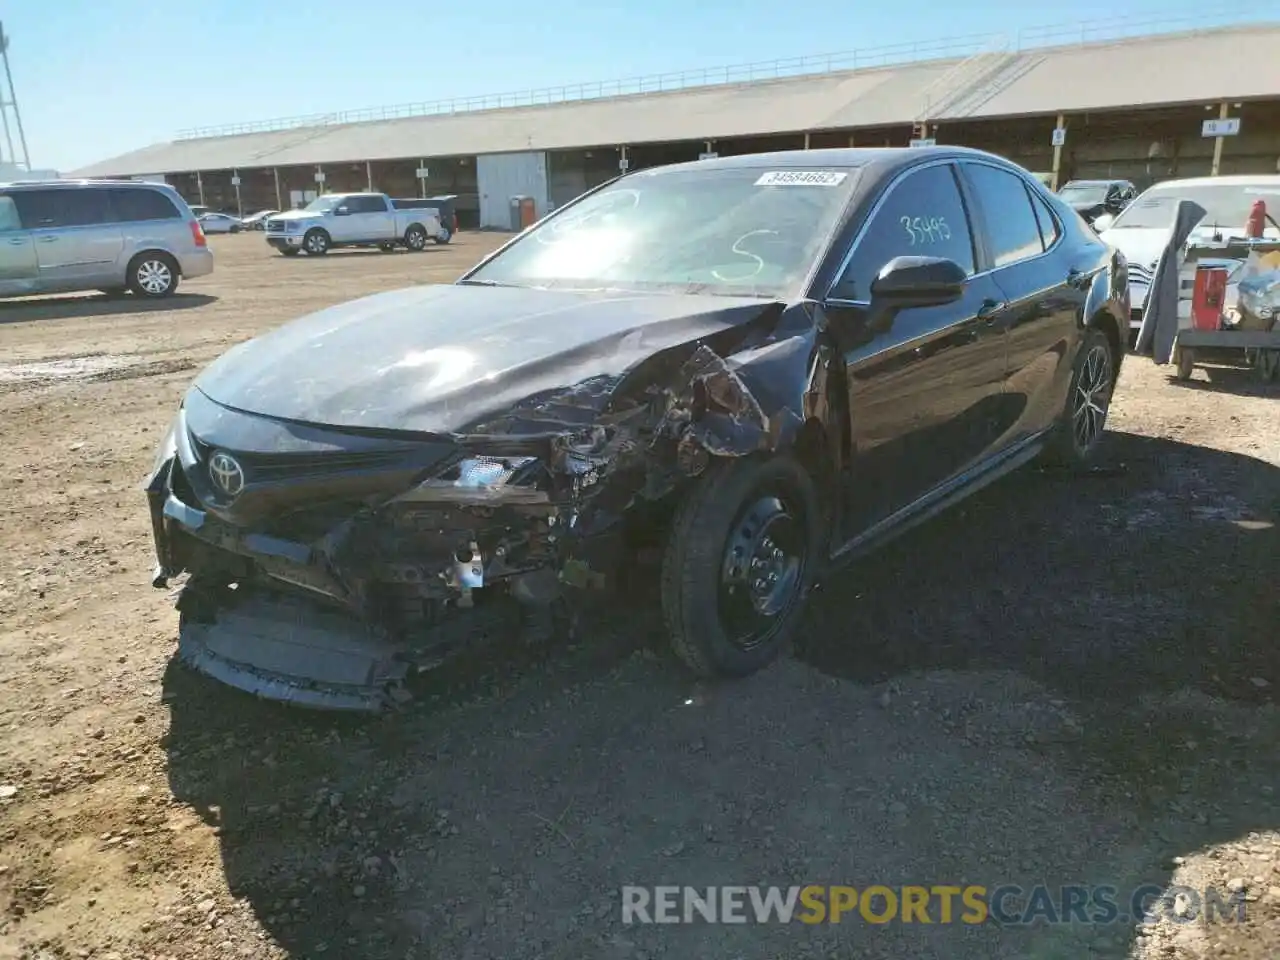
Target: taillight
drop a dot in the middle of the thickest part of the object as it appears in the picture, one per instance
(197, 234)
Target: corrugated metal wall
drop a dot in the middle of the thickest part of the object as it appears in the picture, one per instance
(571, 173)
(501, 176)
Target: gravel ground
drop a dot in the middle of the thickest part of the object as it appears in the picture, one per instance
(1060, 682)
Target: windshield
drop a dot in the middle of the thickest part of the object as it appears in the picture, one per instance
(1226, 205)
(322, 204)
(1084, 193)
(744, 231)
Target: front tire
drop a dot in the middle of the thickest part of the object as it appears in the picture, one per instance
(288, 251)
(1080, 429)
(316, 243)
(741, 559)
(415, 238)
(153, 275)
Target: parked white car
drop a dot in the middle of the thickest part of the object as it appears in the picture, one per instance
(1143, 229)
(355, 219)
(220, 223)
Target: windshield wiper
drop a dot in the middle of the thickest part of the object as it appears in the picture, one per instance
(484, 283)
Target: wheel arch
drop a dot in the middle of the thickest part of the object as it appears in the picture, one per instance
(153, 250)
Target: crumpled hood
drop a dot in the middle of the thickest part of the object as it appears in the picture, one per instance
(440, 359)
(1143, 245)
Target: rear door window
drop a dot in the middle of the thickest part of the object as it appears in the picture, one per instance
(132, 204)
(1013, 232)
(50, 209)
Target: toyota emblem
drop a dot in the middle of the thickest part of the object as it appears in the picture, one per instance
(226, 474)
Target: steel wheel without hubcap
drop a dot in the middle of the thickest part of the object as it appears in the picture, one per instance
(761, 572)
(153, 277)
(1091, 399)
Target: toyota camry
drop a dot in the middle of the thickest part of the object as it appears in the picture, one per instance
(750, 369)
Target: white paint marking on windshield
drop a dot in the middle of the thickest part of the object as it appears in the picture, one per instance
(800, 178)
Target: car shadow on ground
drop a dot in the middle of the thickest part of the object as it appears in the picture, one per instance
(95, 305)
(1241, 381)
(1055, 682)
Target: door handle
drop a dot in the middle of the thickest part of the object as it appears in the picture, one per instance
(18, 241)
(990, 310)
(48, 239)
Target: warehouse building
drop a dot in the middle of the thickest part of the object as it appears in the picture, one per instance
(1134, 108)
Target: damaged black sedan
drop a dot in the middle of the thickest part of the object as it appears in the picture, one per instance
(751, 368)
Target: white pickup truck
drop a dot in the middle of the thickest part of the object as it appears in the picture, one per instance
(356, 220)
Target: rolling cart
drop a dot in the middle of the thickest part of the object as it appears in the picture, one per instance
(1206, 331)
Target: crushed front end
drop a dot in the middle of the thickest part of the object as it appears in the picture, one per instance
(325, 567)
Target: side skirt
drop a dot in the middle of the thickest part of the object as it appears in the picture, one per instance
(947, 494)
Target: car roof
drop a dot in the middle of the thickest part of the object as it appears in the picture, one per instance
(1235, 180)
(74, 184)
(840, 157)
(1091, 183)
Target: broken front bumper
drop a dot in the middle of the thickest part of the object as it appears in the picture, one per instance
(300, 624)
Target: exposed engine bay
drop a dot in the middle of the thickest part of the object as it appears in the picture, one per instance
(348, 572)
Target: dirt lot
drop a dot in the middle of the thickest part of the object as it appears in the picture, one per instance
(1061, 682)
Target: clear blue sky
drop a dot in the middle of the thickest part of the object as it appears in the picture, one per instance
(97, 78)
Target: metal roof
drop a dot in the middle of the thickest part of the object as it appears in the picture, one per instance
(1163, 70)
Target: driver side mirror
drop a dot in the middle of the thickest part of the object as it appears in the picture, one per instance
(913, 282)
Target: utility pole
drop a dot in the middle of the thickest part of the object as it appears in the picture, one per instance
(9, 104)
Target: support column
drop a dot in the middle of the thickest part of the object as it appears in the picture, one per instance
(851, 140)
(200, 187)
(368, 174)
(1057, 154)
(235, 182)
(624, 159)
(1218, 142)
(422, 181)
(275, 173)
(319, 179)
(806, 141)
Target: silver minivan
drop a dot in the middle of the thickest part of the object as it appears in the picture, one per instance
(60, 236)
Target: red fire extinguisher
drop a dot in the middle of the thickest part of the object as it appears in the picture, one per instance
(1257, 222)
(1208, 297)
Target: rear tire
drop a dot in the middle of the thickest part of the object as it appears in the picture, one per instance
(1082, 424)
(415, 238)
(316, 243)
(741, 558)
(153, 275)
(444, 236)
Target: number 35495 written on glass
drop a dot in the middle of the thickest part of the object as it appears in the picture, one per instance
(926, 229)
